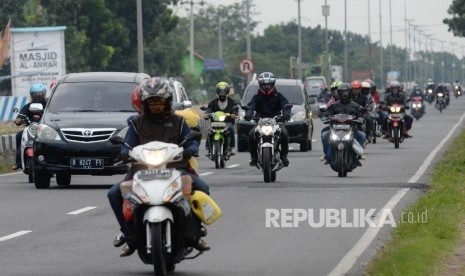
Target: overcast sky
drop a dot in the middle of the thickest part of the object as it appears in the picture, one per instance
(428, 14)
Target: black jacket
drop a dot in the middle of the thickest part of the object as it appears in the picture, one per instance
(213, 106)
(351, 108)
(267, 106)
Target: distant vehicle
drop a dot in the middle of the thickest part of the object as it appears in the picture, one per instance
(313, 85)
(83, 113)
(299, 127)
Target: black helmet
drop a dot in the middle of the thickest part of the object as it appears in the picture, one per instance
(156, 88)
(344, 92)
(222, 90)
(395, 87)
(266, 81)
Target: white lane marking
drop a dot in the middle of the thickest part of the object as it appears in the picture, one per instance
(351, 257)
(14, 235)
(232, 166)
(313, 140)
(82, 210)
(433, 153)
(206, 173)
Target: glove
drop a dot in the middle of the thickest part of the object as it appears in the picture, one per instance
(187, 154)
(125, 157)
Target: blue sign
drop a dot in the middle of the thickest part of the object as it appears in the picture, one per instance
(213, 64)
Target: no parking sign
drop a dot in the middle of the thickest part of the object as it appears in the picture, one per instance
(246, 66)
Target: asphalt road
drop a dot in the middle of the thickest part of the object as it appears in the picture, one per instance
(40, 234)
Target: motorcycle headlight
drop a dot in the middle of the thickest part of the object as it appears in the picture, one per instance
(440, 95)
(395, 109)
(347, 137)
(456, 87)
(299, 116)
(140, 193)
(47, 133)
(430, 91)
(172, 190)
(266, 130)
(154, 157)
(334, 136)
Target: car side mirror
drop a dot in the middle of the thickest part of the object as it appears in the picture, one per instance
(187, 104)
(203, 108)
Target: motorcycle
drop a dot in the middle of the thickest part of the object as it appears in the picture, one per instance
(162, 201)
(218, 137)
(440, 101)
(27, 139)
(429, 96)
(268, 131)
(321, 108)
(396, 124)
(457, 91)
(344, 148)
(417, 107)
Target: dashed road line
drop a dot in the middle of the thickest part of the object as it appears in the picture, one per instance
(15, 235)
(82, 210)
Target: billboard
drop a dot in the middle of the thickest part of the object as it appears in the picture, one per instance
(36, 55)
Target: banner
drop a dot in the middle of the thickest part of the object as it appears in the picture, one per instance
(37, 56)
(4, 44)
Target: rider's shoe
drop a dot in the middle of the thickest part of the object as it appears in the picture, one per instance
(253, 162)
(285, 160)
(119, 240)
(202, 246)
(231, 151)
(127, 251)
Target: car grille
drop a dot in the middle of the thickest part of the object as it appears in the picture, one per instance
(87, 135)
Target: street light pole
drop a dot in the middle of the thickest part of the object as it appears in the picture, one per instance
(249, 47)
(381, 64)
(346, 74)
(390, 32)
(299, 44)
(325, 11)
(140, 39)
(191, 39)
(369, 37)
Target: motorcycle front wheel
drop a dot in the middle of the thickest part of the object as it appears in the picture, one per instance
(396, 137)
(158, 249)
(266, 165)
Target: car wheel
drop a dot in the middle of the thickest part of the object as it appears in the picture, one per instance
(41, 180)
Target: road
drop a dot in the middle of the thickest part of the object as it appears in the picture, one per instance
(69, 230)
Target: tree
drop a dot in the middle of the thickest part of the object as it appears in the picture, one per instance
(457, 22)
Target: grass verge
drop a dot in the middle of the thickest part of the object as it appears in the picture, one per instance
(422, 245)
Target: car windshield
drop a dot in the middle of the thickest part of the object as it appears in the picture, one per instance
(92, 97)
(293, 93)
(314, 82)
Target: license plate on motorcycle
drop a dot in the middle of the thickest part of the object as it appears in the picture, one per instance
(218, 124)
(86, 163)
(154, 174)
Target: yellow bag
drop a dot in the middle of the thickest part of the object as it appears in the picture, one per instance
(204, 207)
(191, 116)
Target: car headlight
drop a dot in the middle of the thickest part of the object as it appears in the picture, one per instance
(266, 130)
(47, 133)
(299, 116)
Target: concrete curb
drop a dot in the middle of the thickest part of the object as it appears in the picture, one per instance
(7, 149)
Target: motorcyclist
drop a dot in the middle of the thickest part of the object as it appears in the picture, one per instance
(334, 95)
(156, 123)
(430, 90)
(267, 103)
(37, 92)
(361, 95)
(325, 94)
(227, 105)
(416, 92)
(344, 106)
(395, 96)
(441, 88)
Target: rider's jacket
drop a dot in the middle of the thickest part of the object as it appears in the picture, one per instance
(214, 106)
(351, 108)
(267, 106)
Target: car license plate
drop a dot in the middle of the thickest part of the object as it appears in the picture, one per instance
(86, 163)
(154, 174)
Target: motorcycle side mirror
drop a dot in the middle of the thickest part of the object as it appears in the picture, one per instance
(203, 108)
(244, 107)
(117, 140)
(191, 136)
(287, 106)
(236, 108)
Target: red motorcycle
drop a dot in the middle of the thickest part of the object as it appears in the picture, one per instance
(396, 124)
(417, 110)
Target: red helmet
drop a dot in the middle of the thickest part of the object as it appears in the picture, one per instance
(135, 99)
(356, 87)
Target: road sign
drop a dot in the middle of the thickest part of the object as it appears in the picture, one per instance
(246, 66)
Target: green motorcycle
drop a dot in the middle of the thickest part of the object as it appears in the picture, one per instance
(218, 138)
